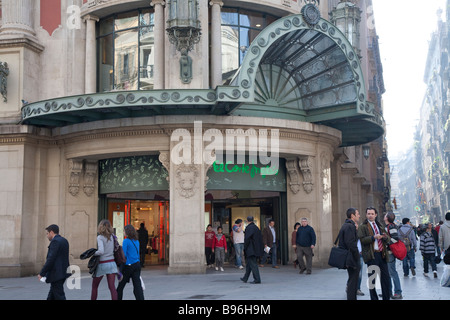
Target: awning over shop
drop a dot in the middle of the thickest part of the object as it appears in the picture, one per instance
(294, 69)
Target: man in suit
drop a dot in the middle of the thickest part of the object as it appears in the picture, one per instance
(253, 248)
(374, 252)
(270, 241)
(55, 267)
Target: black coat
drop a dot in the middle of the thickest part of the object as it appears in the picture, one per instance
(253, 243)
(55, 267)
(348, 239)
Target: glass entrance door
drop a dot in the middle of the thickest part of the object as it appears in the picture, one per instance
(149, 215)
(153, 217)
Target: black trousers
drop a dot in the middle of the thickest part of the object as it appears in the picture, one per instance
(352, 282)
(383, 272)
(142, 255)
(209, 256)
(57, 290)
(252, 267)
(132, 272)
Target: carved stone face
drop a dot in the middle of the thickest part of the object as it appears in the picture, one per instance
(186, 177)
(186, 180)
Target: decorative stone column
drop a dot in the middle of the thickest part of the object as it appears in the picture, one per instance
(159, 47)
(91, 57)
(216, 43)
(18, 18)
(20, 51)
(187, 206)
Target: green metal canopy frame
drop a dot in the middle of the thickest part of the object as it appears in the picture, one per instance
(296, 69)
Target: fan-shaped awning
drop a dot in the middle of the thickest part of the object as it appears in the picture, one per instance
(310, 73)
(293, 70)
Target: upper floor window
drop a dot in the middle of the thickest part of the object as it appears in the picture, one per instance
(125, 45)
(239, 28)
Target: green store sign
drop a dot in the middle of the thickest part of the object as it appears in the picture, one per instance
(231, 176)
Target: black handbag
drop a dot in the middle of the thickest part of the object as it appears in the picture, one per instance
(338, 256)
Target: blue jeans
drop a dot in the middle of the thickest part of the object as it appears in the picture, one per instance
(409, 262)
(361, 264)
(239, 249)
(394, 276)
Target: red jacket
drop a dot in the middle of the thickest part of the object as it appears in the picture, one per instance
(209, 238)
(220, 243)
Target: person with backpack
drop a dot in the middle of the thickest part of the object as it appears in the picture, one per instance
(408, 236)
(392, 230)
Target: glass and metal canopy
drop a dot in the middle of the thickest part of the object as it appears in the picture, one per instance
(297, 68)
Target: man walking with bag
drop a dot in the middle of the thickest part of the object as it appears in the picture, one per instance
(348, 239)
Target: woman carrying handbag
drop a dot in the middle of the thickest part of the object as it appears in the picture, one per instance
(132, 267)
(106, 266)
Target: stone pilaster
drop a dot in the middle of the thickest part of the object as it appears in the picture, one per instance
(216, 43)
(159, 34)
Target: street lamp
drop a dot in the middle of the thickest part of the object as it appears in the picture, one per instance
(366, 151)
(347, 17)
(183, 29)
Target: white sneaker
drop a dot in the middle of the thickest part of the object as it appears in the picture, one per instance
(221, 269)
(241, 267)
(217, 269)
(425, 274)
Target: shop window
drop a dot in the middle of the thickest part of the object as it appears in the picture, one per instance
(125, 51)
(239, 28)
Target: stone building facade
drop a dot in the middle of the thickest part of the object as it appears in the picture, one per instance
(122, 110)
(432, 148)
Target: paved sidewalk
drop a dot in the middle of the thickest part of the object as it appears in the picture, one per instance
(277, 284)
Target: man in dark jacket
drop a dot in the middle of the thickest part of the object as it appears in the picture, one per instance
(253, 248)
(306, 241)
(270, 243)
(55, 267)
(143, 240)
(348, 239)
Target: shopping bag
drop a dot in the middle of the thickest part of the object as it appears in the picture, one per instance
(398, 249)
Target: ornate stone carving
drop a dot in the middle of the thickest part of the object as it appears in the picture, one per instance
(311, 14)
(90, 172)
(75, 168)
(294, 175)
(93, 3)
(164, 158)
(4, 72)
(207, 166)
(306, 164)
(186, 178)
(325, 176)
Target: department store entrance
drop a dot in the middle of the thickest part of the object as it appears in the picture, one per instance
(134, 190)
(149, 215)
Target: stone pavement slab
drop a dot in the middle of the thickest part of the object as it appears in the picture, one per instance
(284, 283)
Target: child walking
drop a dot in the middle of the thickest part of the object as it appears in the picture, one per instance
(219, 248)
